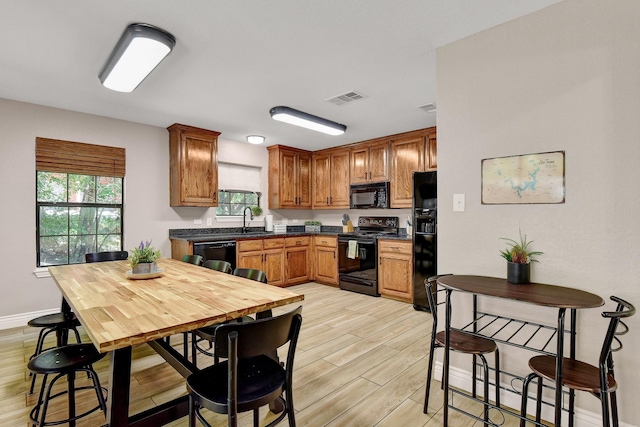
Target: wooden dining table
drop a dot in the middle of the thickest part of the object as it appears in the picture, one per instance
(552, 296)
(118, 311)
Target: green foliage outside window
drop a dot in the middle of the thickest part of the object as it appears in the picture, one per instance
(77, 214)
(232, 203)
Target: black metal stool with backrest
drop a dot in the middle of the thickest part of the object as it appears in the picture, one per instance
(248, 379)
(597, 380)
(460, 342)
(218, 265)
(208, 333)
(65, 361)
(65, 321)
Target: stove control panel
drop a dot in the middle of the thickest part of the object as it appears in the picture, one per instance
(378, 221)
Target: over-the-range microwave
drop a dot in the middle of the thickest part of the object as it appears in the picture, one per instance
(369, 196)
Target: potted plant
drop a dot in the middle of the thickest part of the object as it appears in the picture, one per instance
(143, 258)
(519, 259)
(312, 226)
(256, 210)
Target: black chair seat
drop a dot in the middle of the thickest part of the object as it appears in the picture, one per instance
(64, 359)
(260, 381)
(56, 320)
(467, 343)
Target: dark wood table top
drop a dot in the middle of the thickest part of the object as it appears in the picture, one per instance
(532, 293)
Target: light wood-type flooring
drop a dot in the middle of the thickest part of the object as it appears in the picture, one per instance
(360, 361)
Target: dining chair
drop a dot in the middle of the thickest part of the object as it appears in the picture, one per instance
(106, 256)
(218, 265)
(250, 273)
(248, 379)
(63, 361)
(208, 333)
(460, 342)
(192, 259)
(577, 375)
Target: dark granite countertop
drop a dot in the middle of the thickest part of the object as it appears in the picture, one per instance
(199, 235)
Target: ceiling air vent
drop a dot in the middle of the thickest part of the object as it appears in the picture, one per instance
(429, 108)
(346, 97)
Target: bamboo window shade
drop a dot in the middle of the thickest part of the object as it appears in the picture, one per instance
(54, 155)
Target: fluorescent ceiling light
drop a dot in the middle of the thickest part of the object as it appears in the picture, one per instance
(299, 118)
(138, 52)
(255, 139)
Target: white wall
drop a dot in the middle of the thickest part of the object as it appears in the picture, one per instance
(147, 214)
(564, 78)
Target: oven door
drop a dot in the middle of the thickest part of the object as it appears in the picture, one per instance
(357, 265)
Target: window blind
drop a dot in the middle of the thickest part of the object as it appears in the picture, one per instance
(238, 177)
(54, 155)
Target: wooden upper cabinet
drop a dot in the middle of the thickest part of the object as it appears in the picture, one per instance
(370, 162)
(289, 178)
(431, 151)
(407, 156)
(331, 179)
(193, 166)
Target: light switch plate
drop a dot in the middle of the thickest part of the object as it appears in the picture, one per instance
(209, 221)
(458, 202)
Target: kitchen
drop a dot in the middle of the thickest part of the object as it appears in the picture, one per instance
(494, 123)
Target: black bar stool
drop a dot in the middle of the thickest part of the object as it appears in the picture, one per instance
(65, 361)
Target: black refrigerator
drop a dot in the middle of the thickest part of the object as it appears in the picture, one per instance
(425, 236)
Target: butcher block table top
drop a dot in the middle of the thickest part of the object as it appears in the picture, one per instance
(118, 312)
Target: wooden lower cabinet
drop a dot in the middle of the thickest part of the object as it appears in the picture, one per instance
(395, 269)
(263, 254)
(325, 260)
(297, 263)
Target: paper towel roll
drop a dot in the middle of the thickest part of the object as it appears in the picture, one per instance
(268, 222)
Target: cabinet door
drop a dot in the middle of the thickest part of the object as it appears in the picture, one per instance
(407, 156)
(431, 155)
(304, 180)
(379, 162)
(321, 180)
(395, 276)
(250, 260)
(359, 165)
(274, 266)
(339, 197)
(288, 182)
(326, 265)
(297, 265)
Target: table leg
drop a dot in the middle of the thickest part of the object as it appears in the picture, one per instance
(119, 388)
(559, 358)
(445, 362)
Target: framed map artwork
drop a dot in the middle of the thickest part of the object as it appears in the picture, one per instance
(523, 179)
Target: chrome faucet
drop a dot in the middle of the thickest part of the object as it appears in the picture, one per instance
(244, 218)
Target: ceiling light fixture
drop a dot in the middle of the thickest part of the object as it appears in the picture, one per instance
(299, 118)
(140, 49)
(255, 139)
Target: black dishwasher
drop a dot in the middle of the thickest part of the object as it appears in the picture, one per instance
(224, 251)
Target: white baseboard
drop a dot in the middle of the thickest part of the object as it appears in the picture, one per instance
(461, 379)
(20, 320)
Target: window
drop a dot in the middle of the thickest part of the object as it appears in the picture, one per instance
(76, 215)
(79, 200)
(233, 203)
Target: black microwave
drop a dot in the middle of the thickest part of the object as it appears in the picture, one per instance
(369, 196)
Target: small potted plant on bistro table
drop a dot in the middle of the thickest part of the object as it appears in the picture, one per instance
(143, 258)
(519, 259)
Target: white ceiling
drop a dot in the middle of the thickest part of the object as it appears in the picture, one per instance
(234, 60)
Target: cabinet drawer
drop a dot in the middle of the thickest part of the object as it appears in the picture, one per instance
(297, 241)
(249, 245)
(273, 243)
(395, 246)
(329, 242)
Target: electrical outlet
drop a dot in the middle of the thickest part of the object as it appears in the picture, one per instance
(197, 221)
(458, 202)
(209, 221)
